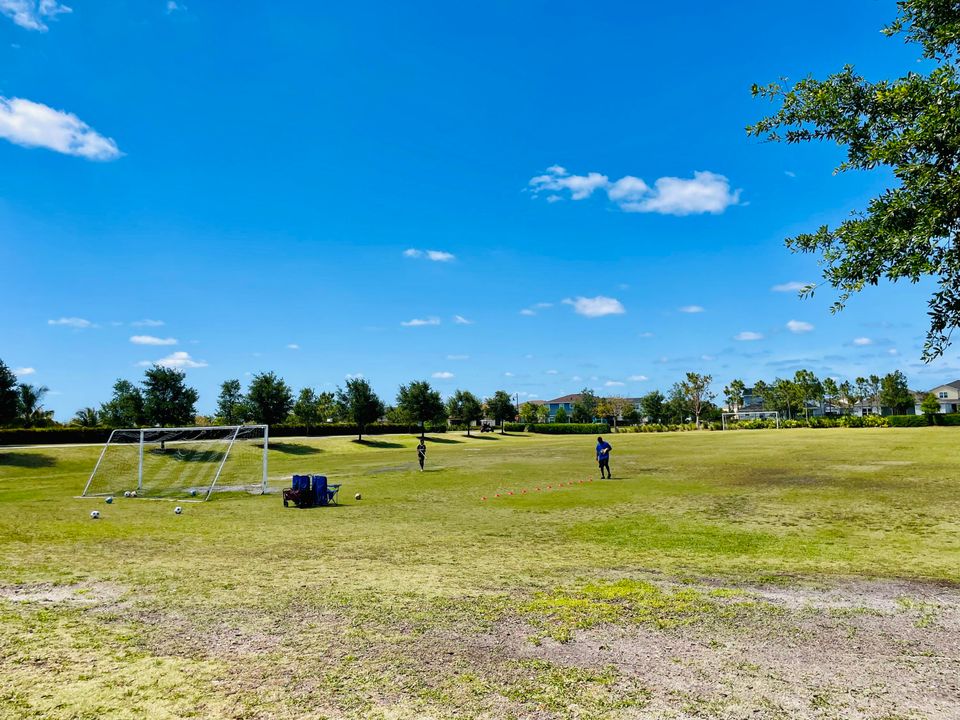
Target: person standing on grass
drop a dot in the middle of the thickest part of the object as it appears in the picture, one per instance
(421, 453)
(603, 456)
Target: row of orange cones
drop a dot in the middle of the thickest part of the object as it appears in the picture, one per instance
(549, 487)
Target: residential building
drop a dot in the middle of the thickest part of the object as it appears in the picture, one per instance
(947, 395)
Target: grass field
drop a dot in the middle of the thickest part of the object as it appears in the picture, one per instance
(765, 574)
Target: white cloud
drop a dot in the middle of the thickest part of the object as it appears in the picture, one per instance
(458, 357)
(792, 286)
(862, 341)
(708, 358)
(173, 7)
(748, 335)
(596, 306)
(543, 305)
(638, 378)
(293, 346)
(148, 323)
(893, 351)
(799, 326)
(73, 322)
(553, 372)
(508, 374)
(29, 14)
(443, 375)
(420, 322)
(789, 173)
(461, 320)
(151, 340)
(178, 359)
(692, 309)
(557, 179)
(31, 124)
(20, 372)
(528, 312)
(646, 335)
(434, 255)
(532, 310)
(705, 192)
(576, 378)
(613, 383)
(353, 376)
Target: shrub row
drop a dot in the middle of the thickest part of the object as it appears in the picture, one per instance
(567, 428)
(53, 436)
(658, 428)
(329, 429)
(847, 421)
(951, 419)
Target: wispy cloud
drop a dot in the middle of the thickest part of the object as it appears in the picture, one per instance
(353, 376)
(528, 312)
(21, 372)
(789, 173)
(293, 346)
(862, 341)
(596, 306)
(791, 286)
(638, 378)
(705, 192)
(553, 372)
(508, 374)
(73, 322)
(151, 340)
(173, 7)
(613, 383)
(748, 335)
(646, 335)
(30, 14)
(179, 359)
(420, 322)
(799, 326)
(458, 357)
(461, 320)
(442, 375)
(434, 255)
(147, 323)
(532, 310)
(691, 309)
(31, 124)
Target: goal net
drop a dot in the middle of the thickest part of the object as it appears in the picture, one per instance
(182, 462)
(750, 418)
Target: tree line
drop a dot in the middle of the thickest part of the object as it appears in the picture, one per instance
(163, 398)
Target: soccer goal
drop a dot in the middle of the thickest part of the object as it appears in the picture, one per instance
(728, 417)
(182, 462)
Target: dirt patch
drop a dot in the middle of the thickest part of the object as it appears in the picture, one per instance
(48, 593)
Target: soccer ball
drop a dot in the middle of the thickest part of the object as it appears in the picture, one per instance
(178, 509)
(193, 493)
(95, 514)
(109, 500)
(126, 493)
(357, 496)
(133, 493)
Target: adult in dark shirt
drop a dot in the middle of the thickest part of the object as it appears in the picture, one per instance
(603, 456)
(421, 453)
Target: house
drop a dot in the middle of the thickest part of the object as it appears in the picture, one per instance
(566, 402)
(947, 395)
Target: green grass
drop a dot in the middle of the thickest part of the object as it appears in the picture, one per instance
(240, 608)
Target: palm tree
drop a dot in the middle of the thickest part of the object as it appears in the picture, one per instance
(87, 417)
(31, 405)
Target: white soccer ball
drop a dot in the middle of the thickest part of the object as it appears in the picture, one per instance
(133, 493)
(178, 509)
(109, 499)
(95, 514)
(357, 496)
(126, 493)
(193, 493)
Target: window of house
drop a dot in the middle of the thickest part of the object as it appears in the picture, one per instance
(941, 395)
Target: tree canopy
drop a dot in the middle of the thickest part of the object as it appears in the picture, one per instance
(232, 407)
(359, 403)
(910, 126)
(270, 398)
(464, 407)
(501, 407)
(125, 408)
(9, 395)
(421, 403)
(167, 401)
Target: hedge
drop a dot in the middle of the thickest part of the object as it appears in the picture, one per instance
(53, 436)
(329, 429)
(568, 428)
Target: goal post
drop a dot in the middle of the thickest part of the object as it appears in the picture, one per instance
(729, 417)
(183, 463)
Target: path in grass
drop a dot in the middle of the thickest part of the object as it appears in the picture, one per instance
(696, 567)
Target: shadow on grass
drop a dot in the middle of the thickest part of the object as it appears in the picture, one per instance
(485, 436)
(446, 441)
(295, 449)
(27, 460)
(377, 443)
(203, 456)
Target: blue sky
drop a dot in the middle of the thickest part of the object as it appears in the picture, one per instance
(533, 196)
